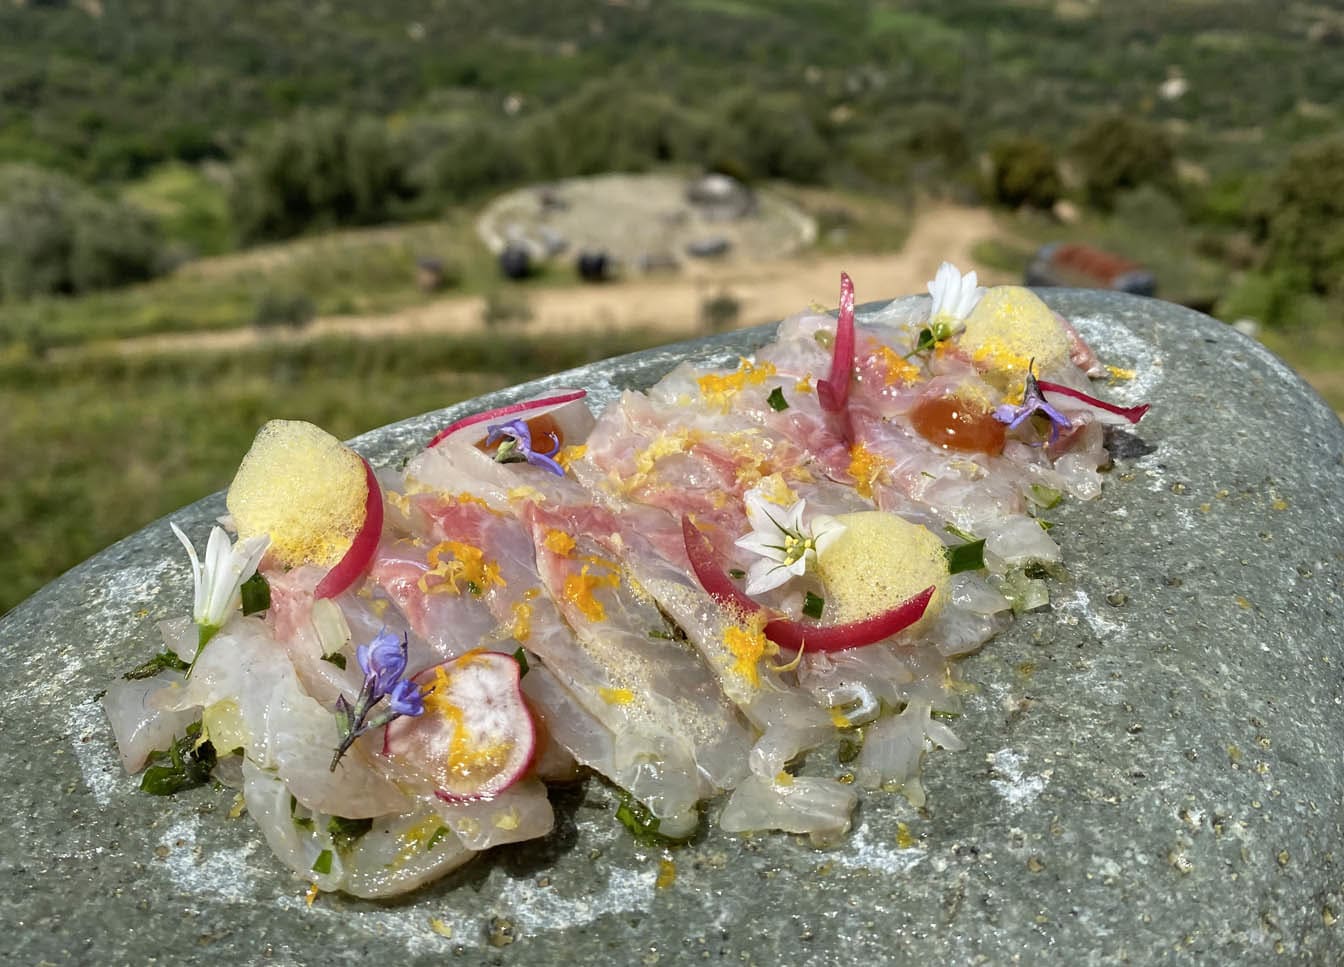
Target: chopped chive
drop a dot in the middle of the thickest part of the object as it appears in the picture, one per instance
(164, 660)
(336, 658)
(965, 557)
(813, 605)
(737, 574)
(661, 634)
(520, 657)
(776, 400)
(256, 593)
(439, 834)
(956, 531)
(322, 864)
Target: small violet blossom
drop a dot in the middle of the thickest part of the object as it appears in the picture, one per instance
(1033, 402)
(383, 662)
(786, 546)
(218, 580)
(516, 446)
(954, 297)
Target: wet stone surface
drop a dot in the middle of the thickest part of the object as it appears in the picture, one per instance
(1152, 772)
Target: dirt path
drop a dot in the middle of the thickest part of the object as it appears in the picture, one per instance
(765, 290)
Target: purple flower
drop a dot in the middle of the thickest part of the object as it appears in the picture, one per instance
(517, 446)
(383, 662)
(405, 699)
(1033, 402)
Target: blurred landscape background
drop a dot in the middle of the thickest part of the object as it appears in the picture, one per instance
(216, 214)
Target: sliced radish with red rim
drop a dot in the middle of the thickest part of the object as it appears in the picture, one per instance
(475, 737)
(356, 560)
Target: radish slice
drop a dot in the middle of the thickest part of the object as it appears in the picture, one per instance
(356, 560)
(475, 737)
(473, 429)
(798, 634)
(1131, 413)
(833, 393)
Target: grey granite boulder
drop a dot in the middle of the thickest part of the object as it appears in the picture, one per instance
(1153, 771)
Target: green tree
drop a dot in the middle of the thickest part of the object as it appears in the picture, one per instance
(318, 170)
(1305, 228)
(1117, 152)
(58, 237)
(1023, 172)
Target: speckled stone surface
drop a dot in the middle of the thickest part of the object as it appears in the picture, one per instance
(1153, 771)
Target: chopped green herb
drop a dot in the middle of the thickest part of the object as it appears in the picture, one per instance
(336, 658)
(474, 588)
(737, 574)
(938, 713)
(849, 750)
(642, 824)
(439, 834)
(256, 592)
(1036, 570)
(188, 766)
(164, 660)
(1044, 496)
(662, 635)
(956, 531)
(1045, 524)
(520, 657)
(322, 864)
(776, 400)
(304, 822)
(965, 557)
(346, 832)
(813, 605)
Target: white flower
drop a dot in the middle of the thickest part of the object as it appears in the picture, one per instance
(219, 581)
(954, 296)
(786, 547)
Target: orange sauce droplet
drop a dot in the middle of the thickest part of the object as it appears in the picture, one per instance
(950, 422)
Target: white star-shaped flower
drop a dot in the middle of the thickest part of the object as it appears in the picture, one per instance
(219, 579)
(954, 296)
(787, 547)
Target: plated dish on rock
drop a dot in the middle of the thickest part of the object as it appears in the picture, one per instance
(709, 594)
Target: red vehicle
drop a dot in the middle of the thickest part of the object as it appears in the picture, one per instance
(1085, 267)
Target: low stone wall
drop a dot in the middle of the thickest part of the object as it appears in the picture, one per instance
(1153, 770)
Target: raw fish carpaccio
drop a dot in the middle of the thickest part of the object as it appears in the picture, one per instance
(700, 595)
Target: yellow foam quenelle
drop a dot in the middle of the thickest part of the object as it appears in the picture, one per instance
(1009, 327)
(878, 562)
(304, 488)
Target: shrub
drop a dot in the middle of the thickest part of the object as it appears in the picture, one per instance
(1305, 228)
(720, 312)
(318, 170)
(58, 238)
(1023, 172)
(1117, 152)
(275, 308)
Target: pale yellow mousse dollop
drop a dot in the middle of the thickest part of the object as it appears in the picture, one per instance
(304, 488)
(1009, 327)
(880, 561)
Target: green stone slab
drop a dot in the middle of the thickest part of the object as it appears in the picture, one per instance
(1153, 770)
